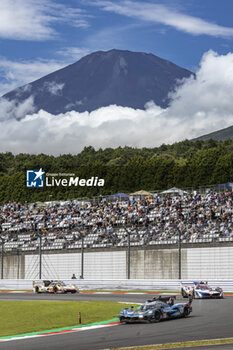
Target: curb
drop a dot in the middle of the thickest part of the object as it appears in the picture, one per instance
(96, 325)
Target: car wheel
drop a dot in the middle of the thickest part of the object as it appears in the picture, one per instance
(183, 294)
(157, 316)
(55, 289)
(37, 290)
(186, 311)
(73, 291)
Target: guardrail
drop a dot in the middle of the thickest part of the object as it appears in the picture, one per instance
(135, 285)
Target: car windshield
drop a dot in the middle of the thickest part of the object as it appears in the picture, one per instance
(59, 282)
(204, 287)
(145, 307)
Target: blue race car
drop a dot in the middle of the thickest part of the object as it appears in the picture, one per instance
(156, 310)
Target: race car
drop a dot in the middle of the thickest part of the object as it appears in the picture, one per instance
(201, 290)
(54, 287)
(41, 286)
(156, 310)
(61, 287)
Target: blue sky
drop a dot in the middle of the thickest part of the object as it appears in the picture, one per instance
(38, 37)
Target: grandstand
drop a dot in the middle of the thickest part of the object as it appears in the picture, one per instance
(192, 219)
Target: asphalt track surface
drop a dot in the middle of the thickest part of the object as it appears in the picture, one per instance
(210, 319)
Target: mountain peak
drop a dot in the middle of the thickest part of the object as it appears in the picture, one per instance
(103, 78)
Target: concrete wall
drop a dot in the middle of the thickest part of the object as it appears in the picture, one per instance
(13, 266)
(150, 263)
(156, 264)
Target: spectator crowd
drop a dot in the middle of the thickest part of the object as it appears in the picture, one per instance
(190, 217)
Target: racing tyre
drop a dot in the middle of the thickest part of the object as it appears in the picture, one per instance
(121, 320)
(184, 295)
(55, 289)
(37, 290)
(157, 317)
(186, 311)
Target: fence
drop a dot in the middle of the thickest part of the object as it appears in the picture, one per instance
(201, 261)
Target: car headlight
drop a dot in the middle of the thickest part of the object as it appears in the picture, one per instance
(141, 316)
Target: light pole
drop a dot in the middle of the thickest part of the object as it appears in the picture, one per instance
(179, 253)
(18, 262)
(2, 257)
(81, 229)
(38, 235)
(82, 256)
(129, 224)
(40, 257)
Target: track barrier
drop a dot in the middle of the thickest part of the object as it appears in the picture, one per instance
(124, 284)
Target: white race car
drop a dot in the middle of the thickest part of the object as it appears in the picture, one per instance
(54, 287)
(200, 290)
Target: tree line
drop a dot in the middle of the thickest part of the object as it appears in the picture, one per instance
(124, 169)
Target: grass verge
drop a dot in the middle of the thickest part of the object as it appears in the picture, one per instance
(187, 345)
(17, 317)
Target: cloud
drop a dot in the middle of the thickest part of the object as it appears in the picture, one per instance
(14, 110)
(14, 74)
(74, 53)
(54, 88)
(200, 105)
(35, 20)
(156, 13)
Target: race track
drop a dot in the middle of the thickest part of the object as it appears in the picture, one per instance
(210, 319)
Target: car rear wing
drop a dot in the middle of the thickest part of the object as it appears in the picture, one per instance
(187, 284)
(45, 283)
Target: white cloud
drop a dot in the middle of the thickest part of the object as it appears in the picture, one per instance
(54, 88)
(168, 16)
(14, 74)
(35, 20)
(74, 53)
(14, 110)
(200, 106)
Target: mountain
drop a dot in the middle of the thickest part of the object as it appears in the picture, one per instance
(103, 78)
(219, 135)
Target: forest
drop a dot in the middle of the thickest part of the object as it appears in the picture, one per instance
(124, 169)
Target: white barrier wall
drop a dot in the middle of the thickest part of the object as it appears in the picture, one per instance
(196, 263)
(97, 265)
(122, 284)
(210, 262)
